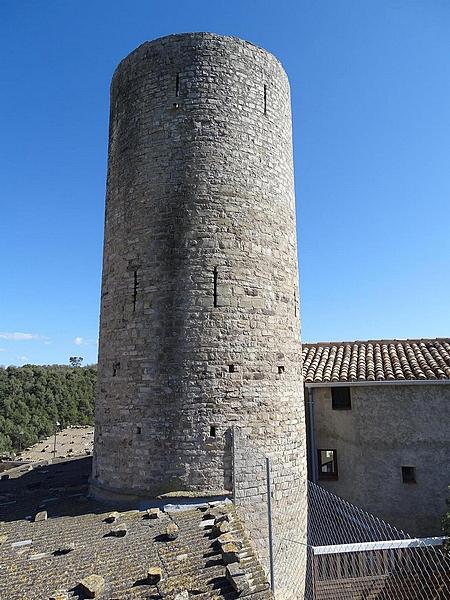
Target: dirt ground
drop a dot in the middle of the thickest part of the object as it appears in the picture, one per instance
(73, 441)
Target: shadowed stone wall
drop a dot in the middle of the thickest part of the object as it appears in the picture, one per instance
(199, 316)
(390, 426)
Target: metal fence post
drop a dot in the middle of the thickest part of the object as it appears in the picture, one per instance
(233, 462)
(269, 517)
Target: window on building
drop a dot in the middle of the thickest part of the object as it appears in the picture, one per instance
(327, 461)
(409, 474)
(340, 398)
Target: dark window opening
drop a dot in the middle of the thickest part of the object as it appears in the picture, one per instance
(340, 398)
(265, 99)
(409, 474)
(327, 461)
(216, 276)
(232, 368)
(116, 367)
(138, 430)
(135, 286)
(212, 431)
(177, 85)
(280, 369)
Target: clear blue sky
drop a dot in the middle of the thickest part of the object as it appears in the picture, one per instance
(371, 101)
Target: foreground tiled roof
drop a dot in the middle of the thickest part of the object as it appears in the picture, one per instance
(193, 564)
(377, 360)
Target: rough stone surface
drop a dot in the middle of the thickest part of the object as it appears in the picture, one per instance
(92, 586)
(65, 549)
(227, 538)
(230, 553)
(199, 323)
(236, 576)
(40, 516)
(112, 517)
(154, 575)
(172, 531)
(196, 194)
(220, 528)
(59, 595)
(119, 530)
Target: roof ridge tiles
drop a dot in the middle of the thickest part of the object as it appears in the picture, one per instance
(376, 341)
(414, 359)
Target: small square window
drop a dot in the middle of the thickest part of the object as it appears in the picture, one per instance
(232, 368)
(327, 460)
(212, 431)
(340, 398)
(280, 369)
(409, 474)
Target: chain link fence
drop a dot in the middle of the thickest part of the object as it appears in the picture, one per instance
(333, 550)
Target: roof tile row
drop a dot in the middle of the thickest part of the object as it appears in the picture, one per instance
(377, 360)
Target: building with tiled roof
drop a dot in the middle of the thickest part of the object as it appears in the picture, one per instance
(378, 415)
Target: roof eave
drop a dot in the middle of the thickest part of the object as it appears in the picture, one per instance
(317, 384)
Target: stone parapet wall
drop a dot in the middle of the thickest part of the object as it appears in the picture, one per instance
(256, 477)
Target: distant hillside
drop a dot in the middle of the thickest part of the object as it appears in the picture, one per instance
(33, 398)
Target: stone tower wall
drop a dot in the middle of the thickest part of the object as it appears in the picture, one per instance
(199, 316)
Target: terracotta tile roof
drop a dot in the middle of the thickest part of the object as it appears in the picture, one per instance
(377, 360)
(33, 567)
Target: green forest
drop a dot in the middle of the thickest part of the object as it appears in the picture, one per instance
(33, 398)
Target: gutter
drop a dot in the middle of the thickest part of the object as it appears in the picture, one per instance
(383, 545)
(328, 384)
(311, 436)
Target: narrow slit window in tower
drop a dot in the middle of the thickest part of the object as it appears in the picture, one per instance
(295, 303)
(280, 369)
(138, 430)
(265, 99)
(116, 367)
(232, 368)
(212, 431)
(215, 285)
(135, 285)
(177, 86)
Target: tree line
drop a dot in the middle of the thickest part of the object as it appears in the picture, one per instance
(34, 398)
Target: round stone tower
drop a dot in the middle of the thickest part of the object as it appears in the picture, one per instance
(199, 328)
